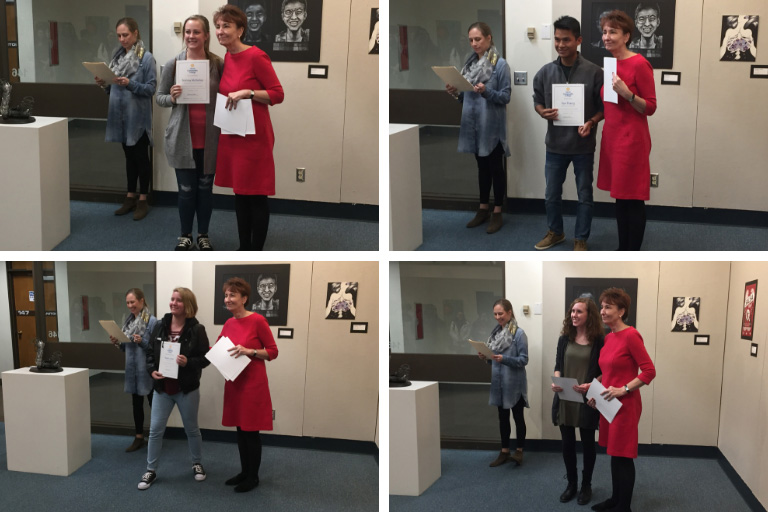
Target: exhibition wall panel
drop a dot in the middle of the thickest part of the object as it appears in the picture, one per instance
(6, 343)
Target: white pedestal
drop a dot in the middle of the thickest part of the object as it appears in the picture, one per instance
(34, 196)
(405, 227)
(47, 420)
(414, 438)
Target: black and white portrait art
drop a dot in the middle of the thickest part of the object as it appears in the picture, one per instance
(652, 36)
(738, 38)
(685, 314)
(287, 30)
(269, 291)
(341, 301)
(373, 33)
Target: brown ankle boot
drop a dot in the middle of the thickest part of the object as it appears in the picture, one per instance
(501, 459)
(142, 209)
(129, 204)
(517, 457)
(481, 216)
(495, 224)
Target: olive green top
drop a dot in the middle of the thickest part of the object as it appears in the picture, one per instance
(576, 364)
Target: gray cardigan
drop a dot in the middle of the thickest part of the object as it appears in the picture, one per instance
(178, 138)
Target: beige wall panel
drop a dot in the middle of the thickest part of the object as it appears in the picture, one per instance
(647, 273)
(341, 394)
(686, 406)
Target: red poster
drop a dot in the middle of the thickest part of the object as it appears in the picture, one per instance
(86, 320)
(403, 47)
(419, 323)
(54, 30)
(748, 317)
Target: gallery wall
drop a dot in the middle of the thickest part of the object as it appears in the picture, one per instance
(6, 347)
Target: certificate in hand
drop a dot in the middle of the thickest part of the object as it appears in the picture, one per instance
(451, 76)
(114, 330)
(194, 79)
(568, 393)
(481, 347)
(568, 99)
(168, 367)
(101, 70)
(607, 408)
(230, 367)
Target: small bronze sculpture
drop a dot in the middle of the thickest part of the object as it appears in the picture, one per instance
(50, 365)
(400, 379)
(21, 113)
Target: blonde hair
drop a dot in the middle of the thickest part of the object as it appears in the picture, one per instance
(189, 300)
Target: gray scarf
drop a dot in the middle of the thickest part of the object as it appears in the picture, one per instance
(479, 70)
(501, 337)
(136, 324)
(127, 63)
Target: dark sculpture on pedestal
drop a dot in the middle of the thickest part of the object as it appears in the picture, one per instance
(400, 379)
(21, 113)
(50, 365)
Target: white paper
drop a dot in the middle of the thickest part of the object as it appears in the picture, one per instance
(194, 79)
(481, 347)
(229, 366)
(568, 99)
(451, 76)
(238, 121)
(101, 70)
(168, 367)
(609, 69)
(568, 393)
(607, 408)
(114, 330)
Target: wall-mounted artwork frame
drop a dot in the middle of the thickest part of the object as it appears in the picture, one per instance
(748, 313)
(655, 42)
(685, 314)
(341, 300)
(592, 287)
(271, 301)
(738, 38)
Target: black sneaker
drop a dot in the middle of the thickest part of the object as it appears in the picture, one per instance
(204, 243)
(185, 243)
(147, 480)
(199, 472)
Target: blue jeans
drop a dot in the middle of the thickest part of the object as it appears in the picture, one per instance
(555, 171)
(195, 195)
(162, 405)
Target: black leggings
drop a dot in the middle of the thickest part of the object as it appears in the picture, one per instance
(630, 219)
(249, 446)
(505, 428)
(569, 452)
(623, 478)
(252, 221)
(490, 172)
(138, 411)
(137, 165)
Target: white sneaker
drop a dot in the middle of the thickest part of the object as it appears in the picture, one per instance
(199, 472)
(147, 480)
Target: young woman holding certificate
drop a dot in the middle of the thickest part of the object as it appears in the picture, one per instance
(179, 326)
(509, 384)
(191, 139)
(578, 350)
(247, 402)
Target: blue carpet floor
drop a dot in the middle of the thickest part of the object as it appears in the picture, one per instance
(445, 230)
(662, 484)
(94, 227)
(291, 480)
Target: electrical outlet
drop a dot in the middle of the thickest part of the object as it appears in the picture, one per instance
(301, 174)
(273, 415)
(654, 179)
(521, 78)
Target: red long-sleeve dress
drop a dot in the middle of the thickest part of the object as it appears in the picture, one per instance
(245, 164)
(247, 402)
(625, 149)
(621, 357)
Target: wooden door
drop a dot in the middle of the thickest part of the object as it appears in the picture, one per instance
(24, 311)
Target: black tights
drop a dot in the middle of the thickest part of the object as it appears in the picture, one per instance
(505, 428)
(569, 453)
(490, 172)
(630, 219)
(137, 165)
(249, 446)
(623, 477)
(138, 411)
(252, 221)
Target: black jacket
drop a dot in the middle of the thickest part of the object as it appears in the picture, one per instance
(194, 345)
(588, 417)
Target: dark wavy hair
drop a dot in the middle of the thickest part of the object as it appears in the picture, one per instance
(594, 324)
(238, 285)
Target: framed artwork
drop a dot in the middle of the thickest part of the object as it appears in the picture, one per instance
(373, 32)
(341, 301)
(738, 38)
(270, 285)
(592, 287)
(748, 314)
(685, 314)
(287, 30)
(653, 35)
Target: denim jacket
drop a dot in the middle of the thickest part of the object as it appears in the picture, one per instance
(130, 107)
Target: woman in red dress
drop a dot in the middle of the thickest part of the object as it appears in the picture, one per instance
(247, 403)
(625, 148)
(622, 355)
(246, 164)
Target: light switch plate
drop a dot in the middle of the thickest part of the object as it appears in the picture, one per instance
(521, 78)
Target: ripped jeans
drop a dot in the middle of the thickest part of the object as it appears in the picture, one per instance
(195, 195)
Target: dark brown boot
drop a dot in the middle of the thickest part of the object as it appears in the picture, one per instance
(138, 442)
(518, 455)
(481, 216)
(142, 209)
(501, 459)
(129, 204)
(495, 223)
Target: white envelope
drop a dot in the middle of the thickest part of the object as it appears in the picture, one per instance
(607, 408)
(230, 367)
